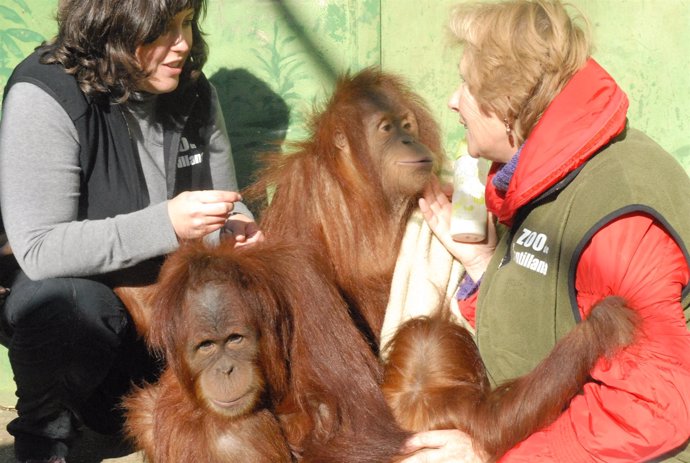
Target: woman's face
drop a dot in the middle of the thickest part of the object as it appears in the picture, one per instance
(163, 58)
(485, 133)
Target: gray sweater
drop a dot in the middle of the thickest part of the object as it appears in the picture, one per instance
(40, 180)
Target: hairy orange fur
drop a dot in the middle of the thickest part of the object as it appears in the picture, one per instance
(321, 379)
(168, 426)
(138, 301)
(331, 191)
(435, 379)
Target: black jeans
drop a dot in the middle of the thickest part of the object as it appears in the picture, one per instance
(74, 352)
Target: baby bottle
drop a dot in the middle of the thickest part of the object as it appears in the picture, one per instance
(468, 219)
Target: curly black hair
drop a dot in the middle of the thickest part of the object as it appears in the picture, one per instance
(97, 42)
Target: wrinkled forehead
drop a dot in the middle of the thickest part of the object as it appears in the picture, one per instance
(213, 304)
(463, 66)
(384, 101)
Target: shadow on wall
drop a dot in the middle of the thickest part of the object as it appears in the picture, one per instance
(255, 116)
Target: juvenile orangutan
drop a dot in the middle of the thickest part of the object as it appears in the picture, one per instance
(263, 364)
(435, 378)
(351, 186)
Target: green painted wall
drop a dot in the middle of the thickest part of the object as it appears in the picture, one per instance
(272, 60)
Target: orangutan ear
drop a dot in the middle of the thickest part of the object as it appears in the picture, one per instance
(340, 141)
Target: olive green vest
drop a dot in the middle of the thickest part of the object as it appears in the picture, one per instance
(527, 298)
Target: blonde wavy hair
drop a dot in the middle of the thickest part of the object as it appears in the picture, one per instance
(518, 55)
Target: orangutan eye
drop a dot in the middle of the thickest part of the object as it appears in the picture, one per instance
(205, 345)
(235, 338)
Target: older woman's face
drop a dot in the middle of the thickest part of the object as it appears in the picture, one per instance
(163, 58)
(485, 133)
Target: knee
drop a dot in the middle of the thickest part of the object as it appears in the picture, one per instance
(66, 304)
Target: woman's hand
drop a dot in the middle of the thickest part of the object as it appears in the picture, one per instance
(195, 214)
(242, 229)
(436, 208)
(446, 446)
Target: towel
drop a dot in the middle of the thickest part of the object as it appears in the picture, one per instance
(425, 278)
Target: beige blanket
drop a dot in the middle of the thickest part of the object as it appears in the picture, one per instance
(426, 278)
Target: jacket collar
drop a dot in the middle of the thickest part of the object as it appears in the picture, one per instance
(589, 112)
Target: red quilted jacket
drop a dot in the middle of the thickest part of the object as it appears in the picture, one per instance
(638, 406)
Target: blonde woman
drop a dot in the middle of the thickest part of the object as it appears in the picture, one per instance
(588, 207)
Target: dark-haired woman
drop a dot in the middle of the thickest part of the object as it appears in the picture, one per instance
(112, 150)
